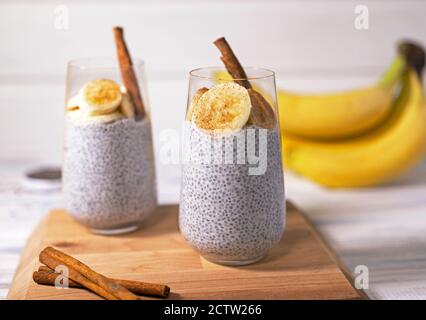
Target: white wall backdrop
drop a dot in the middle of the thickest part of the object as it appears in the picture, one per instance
(313, 45)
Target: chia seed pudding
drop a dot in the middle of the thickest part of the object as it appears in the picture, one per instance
(228, 215)
(109, 179)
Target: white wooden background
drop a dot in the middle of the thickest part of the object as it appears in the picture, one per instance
(312, 45)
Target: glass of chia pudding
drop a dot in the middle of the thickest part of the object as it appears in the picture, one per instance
(232, 206)
(109, 181)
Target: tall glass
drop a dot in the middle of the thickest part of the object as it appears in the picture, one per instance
(109, 180)
(232, 205)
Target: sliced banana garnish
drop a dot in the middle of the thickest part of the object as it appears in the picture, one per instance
(225, 106)
(73, 103)
(126, 106)
(99, 97)
(81, 118)
(194, 102)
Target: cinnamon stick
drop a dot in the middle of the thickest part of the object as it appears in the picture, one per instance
(85, 276)
(127, 72)
(262, 113)
(47, 276)
(231, 63)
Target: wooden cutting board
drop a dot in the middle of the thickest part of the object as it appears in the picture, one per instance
(300, 267)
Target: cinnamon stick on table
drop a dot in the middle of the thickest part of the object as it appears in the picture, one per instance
(88, 278)
(47, 276)
(262, 113)
(127, 72)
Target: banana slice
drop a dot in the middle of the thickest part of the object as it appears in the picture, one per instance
(221, 76)
(73, 103)
(225, 106)
(194, 102)
(79, 117)
(101, 96)
(126, 106)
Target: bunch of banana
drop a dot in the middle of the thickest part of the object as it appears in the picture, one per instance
(374, 155)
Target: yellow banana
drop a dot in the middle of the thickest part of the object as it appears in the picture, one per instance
(225, 106)
(375, 157)
(194, 102)
(126, 106)
(99, 97)
(339, 115)
(79, 117)
(336, 115)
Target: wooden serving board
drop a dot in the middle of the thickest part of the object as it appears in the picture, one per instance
(300, 267)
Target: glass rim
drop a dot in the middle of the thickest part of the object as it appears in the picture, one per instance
(197, 73)
(83, 63)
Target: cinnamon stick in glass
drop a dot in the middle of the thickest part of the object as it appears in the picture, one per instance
(231, 63)
(128, 73)
(262, 114)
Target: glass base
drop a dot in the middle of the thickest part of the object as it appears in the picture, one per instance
(117, 231)
(234, 262)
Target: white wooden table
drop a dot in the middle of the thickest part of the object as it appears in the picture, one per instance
(20, 211)
(381, 228)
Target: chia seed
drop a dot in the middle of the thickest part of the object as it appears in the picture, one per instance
(227, 215)
(109, 173)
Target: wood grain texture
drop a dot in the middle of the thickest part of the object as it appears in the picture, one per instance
(300, 267)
